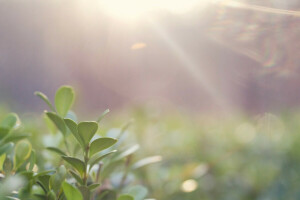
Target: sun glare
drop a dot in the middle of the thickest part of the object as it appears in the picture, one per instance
(134, 9)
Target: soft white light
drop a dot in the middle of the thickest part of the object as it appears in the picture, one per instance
(189, 185)
(133, 9)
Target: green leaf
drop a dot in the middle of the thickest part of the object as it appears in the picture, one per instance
(146, 161)
(16, 137)
(3, 132)
(138, 192)
(85, 192)
(74, 130)
(43, 173)
(56, 150)
(32, 160)
(97, 158)
(76, 163)
(125, 127)
(101, 144)
(57, 179)
(71, 192)
(103, 115)
(58, 121)
(43, 181)
(22, 152)
(87, 130)
(45, 99)
(51, 195)
(76, 176)
(93, 186)
(107, 195)
(2, 158)
(26, 175)
(125, 197)
(50, 125)
(7, 124)
(64, 98)
(6, 148)
(9, 121)
(40, 196)
(8, 165)
(128, 152)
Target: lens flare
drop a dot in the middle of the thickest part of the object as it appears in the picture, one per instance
(189, 185)
(134, 9)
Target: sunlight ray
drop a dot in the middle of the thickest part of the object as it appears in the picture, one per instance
(191, 66)
(241, 5)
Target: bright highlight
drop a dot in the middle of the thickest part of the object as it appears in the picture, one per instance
(133, 9)
(189, 185)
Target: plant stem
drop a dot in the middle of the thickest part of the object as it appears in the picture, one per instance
(127, 163)
(67, 146)
(86, 160)
(98, 171)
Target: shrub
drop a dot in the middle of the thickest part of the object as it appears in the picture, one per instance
(88, 166)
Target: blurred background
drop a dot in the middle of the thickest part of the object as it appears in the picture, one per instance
(216, 80)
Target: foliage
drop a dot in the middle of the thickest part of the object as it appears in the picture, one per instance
(87, 163)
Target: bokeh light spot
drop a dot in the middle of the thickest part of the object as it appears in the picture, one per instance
(189, 185)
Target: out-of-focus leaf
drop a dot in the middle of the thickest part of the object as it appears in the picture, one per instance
(71, 192)
(3, 132)
(44, 182)
(101, 144)
(56, 150)
(98, 157)
(74, 130)
(85, 192)
(107, 195)
(64, 99)
(6, 148)
(76, 176)
(2, 158)
(22, 152)
(40, 196)
(125, 127)
(125, 197)
(32, 160)
(7, 124)
(45, 99)
(9, 121)
(27, 175)
(44, 173)
(93, 186)
(103, 115)
(146, 161)
(57, 179)
(51, 195)
(8, 165)
(58, 121)
(51, 126)
(128, 152)
(138, 192)
(16, 137)
(87, 130)
(76, 163)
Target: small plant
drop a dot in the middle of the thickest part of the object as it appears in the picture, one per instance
(91, 159)
(89, 167)
(17, 160)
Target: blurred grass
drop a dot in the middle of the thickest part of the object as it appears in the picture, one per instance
(236, 157)
(229, 157)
